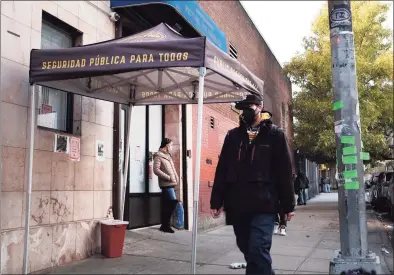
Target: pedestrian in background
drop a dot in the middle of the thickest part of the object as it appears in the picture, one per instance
(253, 182)
(164, 168)
(327, 185)
(321, 184)
(300, 185)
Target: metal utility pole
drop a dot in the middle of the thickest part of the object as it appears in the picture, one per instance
(354, 252)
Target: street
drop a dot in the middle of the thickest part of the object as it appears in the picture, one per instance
(307, 249)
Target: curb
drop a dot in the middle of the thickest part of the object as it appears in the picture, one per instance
(386, 243)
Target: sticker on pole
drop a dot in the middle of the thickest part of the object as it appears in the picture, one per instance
(364, 156)
(350, 174)
(352, 185)
(347, 140)
(338, 105)
(340, 16)
(349, 159)
(349, 150)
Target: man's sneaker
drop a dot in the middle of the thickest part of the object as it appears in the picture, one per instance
(282, 231)
(238, 265)
(276, 228)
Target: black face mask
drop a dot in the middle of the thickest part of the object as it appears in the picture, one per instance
(249, 116)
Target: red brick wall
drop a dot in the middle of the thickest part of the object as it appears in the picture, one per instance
(211, 145)
(172, 131)
(255, 54)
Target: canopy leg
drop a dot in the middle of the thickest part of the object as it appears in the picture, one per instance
(1, 188)
(126, 162)
(119, 189)
(197, 167)
(30, 178)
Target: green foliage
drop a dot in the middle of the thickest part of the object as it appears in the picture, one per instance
(311, 71)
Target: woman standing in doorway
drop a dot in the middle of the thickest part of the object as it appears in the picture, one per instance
(164, 168)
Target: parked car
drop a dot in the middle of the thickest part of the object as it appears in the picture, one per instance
(373, 189)
(367, 188)
(380, 194)
(390, 197)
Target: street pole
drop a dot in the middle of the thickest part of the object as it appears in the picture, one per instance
(354, 252)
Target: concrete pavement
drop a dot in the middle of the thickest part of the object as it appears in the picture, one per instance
(307, 249)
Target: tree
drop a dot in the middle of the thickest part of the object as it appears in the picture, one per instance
(311, 71)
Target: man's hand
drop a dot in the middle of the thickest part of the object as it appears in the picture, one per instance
(216, 213)
(288, 216)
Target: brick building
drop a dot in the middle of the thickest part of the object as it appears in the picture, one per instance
(251, 50)
(70, 198)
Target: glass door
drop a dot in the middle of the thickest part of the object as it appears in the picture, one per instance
(143, 207)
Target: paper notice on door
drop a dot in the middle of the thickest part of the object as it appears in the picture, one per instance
(138, 153)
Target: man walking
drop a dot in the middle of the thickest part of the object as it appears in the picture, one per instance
(253, 183)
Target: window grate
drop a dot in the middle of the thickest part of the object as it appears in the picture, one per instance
(212, 122)
(283, 116)
(233, 52)
(54, 106)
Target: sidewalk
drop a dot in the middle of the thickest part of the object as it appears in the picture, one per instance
(307, 249)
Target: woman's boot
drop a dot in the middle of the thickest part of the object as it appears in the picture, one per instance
(168, 209)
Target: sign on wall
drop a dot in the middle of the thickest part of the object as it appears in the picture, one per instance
(75, 148)
(61, 144)
(100, 150)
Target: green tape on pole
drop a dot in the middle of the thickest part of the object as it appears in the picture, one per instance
(349, 150)
(348, 140)
(337, 105)
(364, 156)
(353, 185)
(352, 174)
(349, 159)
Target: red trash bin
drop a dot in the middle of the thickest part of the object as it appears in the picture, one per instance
(112, 237)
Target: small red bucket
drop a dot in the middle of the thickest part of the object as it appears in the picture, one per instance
(112, 237)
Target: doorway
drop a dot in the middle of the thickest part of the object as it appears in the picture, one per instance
(143, 194)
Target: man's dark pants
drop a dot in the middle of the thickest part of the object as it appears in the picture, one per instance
(280, 219)
(254, 239)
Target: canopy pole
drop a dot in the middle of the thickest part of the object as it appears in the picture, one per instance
(197, 167)
(126, 162)
(120, 151)
(1, 188)
(30, 178)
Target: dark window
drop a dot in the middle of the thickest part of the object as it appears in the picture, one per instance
(55, 107)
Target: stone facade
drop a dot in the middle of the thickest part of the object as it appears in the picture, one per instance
(68, 198)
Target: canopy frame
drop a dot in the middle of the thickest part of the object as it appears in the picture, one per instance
(218, 78)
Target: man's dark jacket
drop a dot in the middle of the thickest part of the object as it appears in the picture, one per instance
(254, 178)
